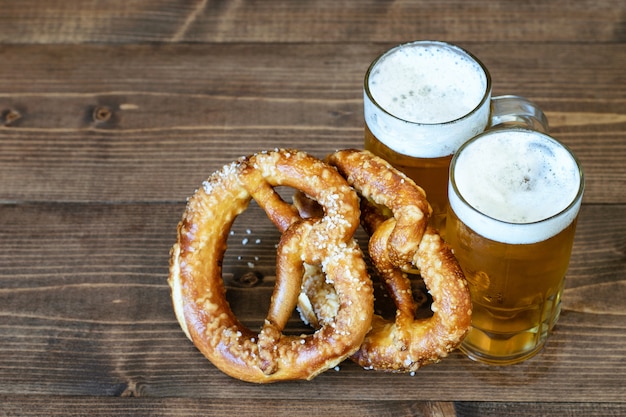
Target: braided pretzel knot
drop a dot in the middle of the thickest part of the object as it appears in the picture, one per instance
(197, 286)
(399, 243)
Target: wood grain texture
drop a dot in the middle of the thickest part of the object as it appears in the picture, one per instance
(492, 409)
(81, 125)
(117, 21)
(96, 319)
(113, 112)
(156, 407)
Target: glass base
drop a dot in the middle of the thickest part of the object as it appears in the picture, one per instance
(508, 336)
(500, 361)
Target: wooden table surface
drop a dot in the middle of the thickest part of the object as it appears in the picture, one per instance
(112, 113)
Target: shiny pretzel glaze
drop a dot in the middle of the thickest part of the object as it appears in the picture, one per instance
(197, 286)
(398, 243)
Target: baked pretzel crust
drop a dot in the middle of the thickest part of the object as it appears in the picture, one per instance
(197, 287)
(395, 213)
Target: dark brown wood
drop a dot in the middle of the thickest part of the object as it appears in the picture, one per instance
(111, 115)
(154, 407)
(321, 21)
(96, 316)
(105, 134)
(489, 409)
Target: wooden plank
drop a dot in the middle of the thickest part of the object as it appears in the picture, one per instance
(122, 166)
(117, 21)
(85, 310)
(149, 123)
(100, 145)
(155, 407)
(102, 406)
(586, 73)
(560, 409)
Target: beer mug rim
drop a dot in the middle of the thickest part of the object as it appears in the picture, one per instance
(576, 200)
(486, 94)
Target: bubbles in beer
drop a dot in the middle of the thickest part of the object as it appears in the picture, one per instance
(427, 83)
(424, 99)
(517, 177)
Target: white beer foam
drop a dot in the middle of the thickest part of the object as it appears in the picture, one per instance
(518, 186)
(433, 85)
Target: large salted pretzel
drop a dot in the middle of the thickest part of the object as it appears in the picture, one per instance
(395, 213)
(324, 243)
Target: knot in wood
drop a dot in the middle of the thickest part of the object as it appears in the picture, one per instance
(10, 116)
(102, 114)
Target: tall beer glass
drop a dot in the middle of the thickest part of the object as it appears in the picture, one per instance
(422, 100)
(514, 201)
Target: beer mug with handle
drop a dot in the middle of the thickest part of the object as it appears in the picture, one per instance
(515, 195)
(423, 100)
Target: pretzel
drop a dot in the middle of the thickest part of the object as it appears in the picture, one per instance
(197, 287)
(400, 241)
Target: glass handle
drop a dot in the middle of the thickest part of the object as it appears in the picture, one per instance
(517, 111)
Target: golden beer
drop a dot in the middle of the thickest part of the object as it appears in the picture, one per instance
(514, 201)
(422, 100)
(430, 173)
